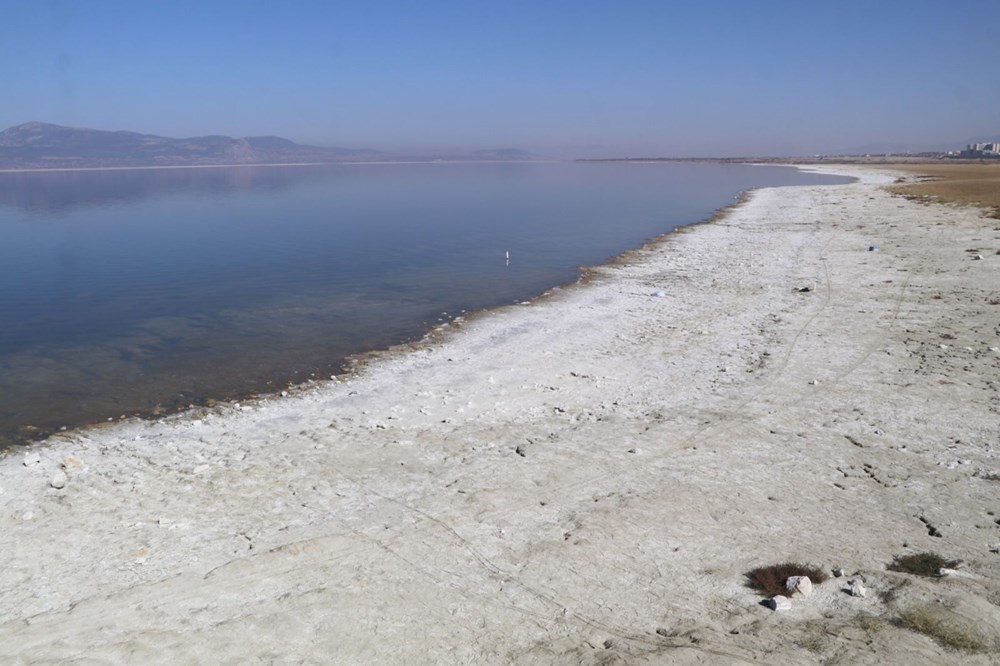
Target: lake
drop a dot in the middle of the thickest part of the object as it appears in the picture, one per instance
(144, 291)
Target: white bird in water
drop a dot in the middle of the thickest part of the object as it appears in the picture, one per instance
(507, 255)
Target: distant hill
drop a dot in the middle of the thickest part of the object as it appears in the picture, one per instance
(43, 145)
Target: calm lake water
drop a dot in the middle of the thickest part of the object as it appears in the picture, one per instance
(137, 292)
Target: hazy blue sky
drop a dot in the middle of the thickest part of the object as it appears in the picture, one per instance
(560, 78)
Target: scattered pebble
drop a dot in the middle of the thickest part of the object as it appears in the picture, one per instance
(856, 588)
(873, 248)
(659, 293)
(31, 459)
(71, 462)
(27, 515)
(838, 572)
(799, 586)
(58, 480)
(778, 603)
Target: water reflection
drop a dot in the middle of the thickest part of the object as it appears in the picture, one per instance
(60, 191)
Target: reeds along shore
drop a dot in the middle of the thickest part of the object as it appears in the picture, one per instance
(587, 479)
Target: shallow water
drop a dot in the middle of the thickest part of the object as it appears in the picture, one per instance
(125, 292)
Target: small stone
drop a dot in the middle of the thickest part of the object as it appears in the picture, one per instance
(977, 257)
(284, 394)
(659, 293)
(838, 572)
(201, 469)
(27, 515)
(31, 459)
(873, 248)
(778, 603)
(71, 462)
(856, 588)
(58, 480)
(804, 290)
(799, 586)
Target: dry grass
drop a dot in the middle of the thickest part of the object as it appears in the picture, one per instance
(770, 580)
(972, 184)
(929, 620)
(921, 564)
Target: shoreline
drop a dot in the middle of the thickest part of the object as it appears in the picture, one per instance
(579, 480)
(34, 432)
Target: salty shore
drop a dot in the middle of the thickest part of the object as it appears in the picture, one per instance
(584, 479)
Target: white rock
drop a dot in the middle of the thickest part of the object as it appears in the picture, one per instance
(58, 480)
(201, 469)
(32, 459)
(27, 515)
(660, 293)
(856, 588)
(778, 603)
(799, 586)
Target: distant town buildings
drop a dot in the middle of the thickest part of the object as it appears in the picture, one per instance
(981, 150)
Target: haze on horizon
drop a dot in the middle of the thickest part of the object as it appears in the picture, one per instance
(563, 79)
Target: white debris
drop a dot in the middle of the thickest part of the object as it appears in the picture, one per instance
(799, 586)
(778, 603)
(856, 588)
(58, 480)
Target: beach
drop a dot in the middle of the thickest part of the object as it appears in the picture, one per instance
(586, 478)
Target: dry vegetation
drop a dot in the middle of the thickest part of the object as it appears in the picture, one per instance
(770, 580)
(972, 184)
(945, 628)
(921, 564)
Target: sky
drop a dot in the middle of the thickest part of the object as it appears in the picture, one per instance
(580, 78)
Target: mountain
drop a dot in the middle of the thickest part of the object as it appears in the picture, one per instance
(43, 145)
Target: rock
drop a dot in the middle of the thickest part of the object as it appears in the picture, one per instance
(838, 572)
(27, 515)
(659, 293)
(31, 459)
(778, 603)
(58, 480)
(855, 588)
(71, 462)
(977, 257)
(799, 586)
(873, 248)
(804, 290)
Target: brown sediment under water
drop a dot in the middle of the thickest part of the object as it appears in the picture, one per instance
(127, 293)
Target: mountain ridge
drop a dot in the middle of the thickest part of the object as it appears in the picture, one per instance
(46, 145)
(39, 145)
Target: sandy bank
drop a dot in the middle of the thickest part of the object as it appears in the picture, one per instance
(583, 480)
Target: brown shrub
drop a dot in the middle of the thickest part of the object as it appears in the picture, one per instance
(770, 580)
